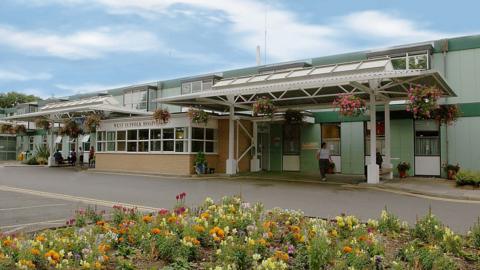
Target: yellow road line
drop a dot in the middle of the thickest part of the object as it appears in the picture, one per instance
(77, 198)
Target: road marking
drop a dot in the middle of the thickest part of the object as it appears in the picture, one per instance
(77, 198)
(57, 221)
(31, 207)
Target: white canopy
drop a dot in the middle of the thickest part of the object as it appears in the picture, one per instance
(314, 86)
(59, 110)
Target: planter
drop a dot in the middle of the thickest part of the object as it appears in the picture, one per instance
(200, 168)
(451, 175)
(402, 174)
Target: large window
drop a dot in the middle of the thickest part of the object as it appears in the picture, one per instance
(175, 140)
(419, 60)
(331, 136)
(196, 86)
(291, 140)
(427, 138)
(380, 129)
(204, 140)
(136, 99)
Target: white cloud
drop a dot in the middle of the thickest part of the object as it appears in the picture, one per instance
(14, 75)
(377, 24)
(78, 45)
(288, 37)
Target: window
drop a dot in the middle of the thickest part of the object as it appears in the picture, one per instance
(181, 140)
(380, 129)
(168, 141)
(196, 86)
(136, 99)
(418, 60)
(427, 138)
(331, 136)
(111, 141)
(203, 140)
(291, 140)
(101, 138)
(121, 140)
(31, 143)
(132, 136)
(156, 140)
(143, 140)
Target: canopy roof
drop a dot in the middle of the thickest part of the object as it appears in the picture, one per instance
(314, 86)
(65, 109)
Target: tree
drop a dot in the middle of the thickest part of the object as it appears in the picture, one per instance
(10, 99)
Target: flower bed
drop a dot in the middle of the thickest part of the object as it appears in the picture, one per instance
(233, 234)
(464, 178)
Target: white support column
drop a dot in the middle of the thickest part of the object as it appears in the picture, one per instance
(51, 159)
(231, 167)
(372, 168)
(387, 164)
(255, 162)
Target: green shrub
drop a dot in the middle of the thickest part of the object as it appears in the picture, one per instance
(475, 234)
(32, 161)
(468, 178)
(428, 229)
(388, 223)
(319, 252)
(42, 152)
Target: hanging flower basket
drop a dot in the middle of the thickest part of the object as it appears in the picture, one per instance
(423, 101)
(350, 105)
(92, 122)
(162, 116)
(264, 107)
(447, 114)
(198, 116)
(71, 129)
(42, 123)
(20, 129)
(7, 129)
(293, 116)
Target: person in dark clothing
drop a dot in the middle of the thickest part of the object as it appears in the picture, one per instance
(324, 159)
(379, 160)
(58, 157)
(80, 152)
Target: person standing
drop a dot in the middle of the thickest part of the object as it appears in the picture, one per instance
(80, 153)
(91, 156)
(324, 159)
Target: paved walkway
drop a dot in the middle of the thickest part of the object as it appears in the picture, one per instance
(433, 187)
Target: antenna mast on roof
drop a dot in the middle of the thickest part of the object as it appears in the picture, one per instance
(265, 37)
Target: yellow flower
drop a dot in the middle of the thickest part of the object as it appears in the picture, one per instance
(35, 251)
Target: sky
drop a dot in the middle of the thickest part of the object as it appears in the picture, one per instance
(63, 47)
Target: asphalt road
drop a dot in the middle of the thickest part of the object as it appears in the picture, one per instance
(76, 188)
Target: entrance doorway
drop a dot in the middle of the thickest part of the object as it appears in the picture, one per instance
(263, 146)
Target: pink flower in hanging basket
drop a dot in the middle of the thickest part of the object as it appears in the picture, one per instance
(350, 105)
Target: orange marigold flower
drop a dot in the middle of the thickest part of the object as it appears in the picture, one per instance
(155, 231)
(199, 228)
(40, 238)
(362, 238)
(298, 237)
(35, 251)
(147, 218)
(101, 223)
(267, 225)
(295, 229)
(217, 233)
(205, 215)
(172, 219)
(53, 255)
(262, 241)
(347, 249)
(7, 242)
(280, 255)
(103, 248)
(98, 265)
